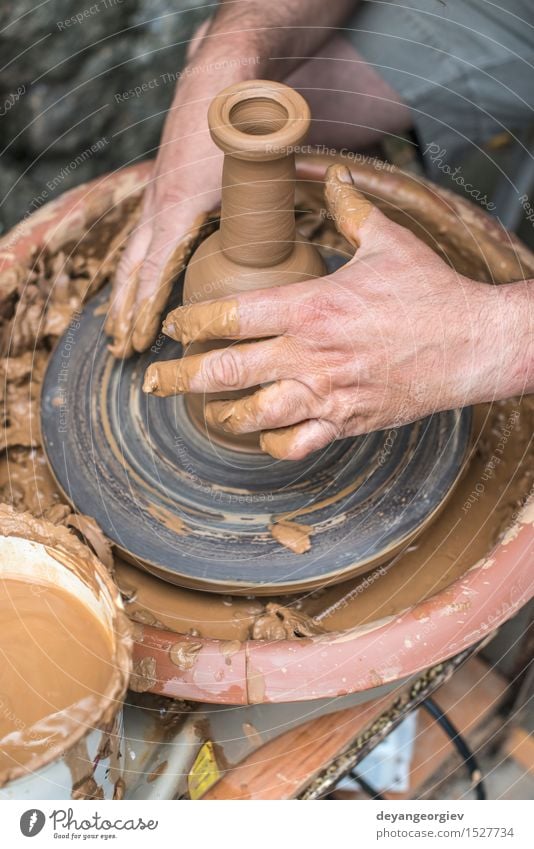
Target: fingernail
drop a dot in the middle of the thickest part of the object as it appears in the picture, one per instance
(170, 377)
(343, 174)
(150, 383)
(169, 328)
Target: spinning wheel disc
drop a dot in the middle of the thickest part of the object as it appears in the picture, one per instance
(197, 514)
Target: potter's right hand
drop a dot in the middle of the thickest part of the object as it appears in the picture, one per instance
(393, 336)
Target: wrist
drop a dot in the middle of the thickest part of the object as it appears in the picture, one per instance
(499, 362)
(514, 316)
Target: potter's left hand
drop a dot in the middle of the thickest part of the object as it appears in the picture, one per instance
(393, 336)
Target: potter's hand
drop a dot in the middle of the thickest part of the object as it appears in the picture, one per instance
(184, 187)
(182, 190)
(392, 336)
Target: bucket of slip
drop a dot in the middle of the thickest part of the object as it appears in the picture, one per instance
(66, 661)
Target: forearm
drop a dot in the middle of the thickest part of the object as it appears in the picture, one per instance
(282, 33)
(504, 343)
(250, 39)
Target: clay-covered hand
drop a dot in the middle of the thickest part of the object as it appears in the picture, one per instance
(152, 261)
(394, 335)
(183, 188)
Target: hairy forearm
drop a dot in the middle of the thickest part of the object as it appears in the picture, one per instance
(251, 39)
(282, 32)
(513, 325)
(498, 328)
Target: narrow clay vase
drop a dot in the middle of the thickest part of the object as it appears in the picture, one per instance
(259, 125)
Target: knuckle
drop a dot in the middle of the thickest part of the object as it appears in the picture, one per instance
(150, 269)
(330, 432)
(148, 275)
(172, 196)
(285, 408)
(261, 407)
(331, 303)
(331, 408)
(320, 384)
(223, 369)
(316, 311)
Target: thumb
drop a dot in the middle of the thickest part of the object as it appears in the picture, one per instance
(361, 223)
(165, 260)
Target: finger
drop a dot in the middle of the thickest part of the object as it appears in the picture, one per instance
(251, 315)
(285, 402)
(235, 367)
(119, 323)
(354, 215)
(296, 442)
(163, 264)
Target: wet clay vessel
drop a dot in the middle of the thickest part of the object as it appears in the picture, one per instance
(257, 125)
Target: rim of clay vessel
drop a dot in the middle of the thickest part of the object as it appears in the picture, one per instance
(271, 133)
(34, 549)
(385, 651)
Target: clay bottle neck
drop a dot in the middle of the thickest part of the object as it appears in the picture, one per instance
(257, 214)
(258, 125)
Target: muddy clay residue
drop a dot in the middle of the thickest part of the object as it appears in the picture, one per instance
(135, 332)
(282, 622)
(349, 209)
(200, 322)
(151, 601)
(292, 535)
(496, 483)
(65, 647)
(184, 654)
(56, 660)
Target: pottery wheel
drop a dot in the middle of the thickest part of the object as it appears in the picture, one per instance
(198, 515)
